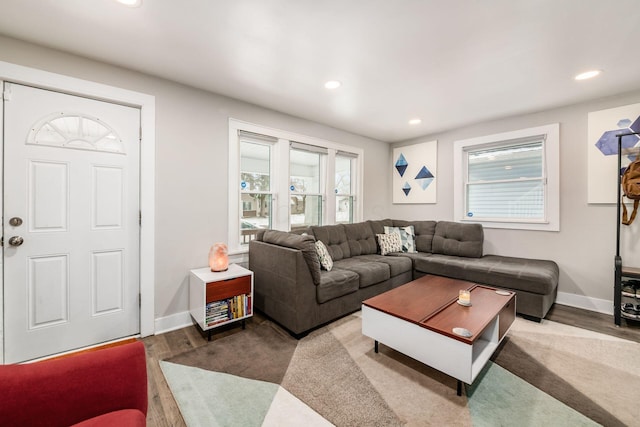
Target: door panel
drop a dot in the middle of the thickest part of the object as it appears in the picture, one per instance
(48, 282)
(71, 172)
(49, 187)
(107, 195)
(108, 283)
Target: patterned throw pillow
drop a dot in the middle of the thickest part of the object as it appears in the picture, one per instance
(407, 237)
(389, 243)
(323, 256)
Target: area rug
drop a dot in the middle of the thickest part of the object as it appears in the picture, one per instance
(543, 374)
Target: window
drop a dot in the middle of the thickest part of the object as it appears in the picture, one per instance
(343, 188)
(305, 165)
(505, 182)
(287, 181)
(255, 184)
(75, 131)
(509, 180)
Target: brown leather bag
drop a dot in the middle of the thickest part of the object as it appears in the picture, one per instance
(631, 189)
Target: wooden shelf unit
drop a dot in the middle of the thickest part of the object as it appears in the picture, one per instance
(220, 298)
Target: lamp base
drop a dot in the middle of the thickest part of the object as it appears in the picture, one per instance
(219, 271)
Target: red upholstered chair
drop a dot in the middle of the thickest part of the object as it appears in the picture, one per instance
(101, 388)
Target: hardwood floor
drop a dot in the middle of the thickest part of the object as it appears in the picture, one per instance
(593, 321)
(163, 411)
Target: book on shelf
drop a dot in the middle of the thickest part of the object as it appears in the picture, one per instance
(236, 307)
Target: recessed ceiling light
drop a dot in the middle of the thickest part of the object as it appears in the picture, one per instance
(415, 121)
(587, 75)
(332, 84)
(131, 3)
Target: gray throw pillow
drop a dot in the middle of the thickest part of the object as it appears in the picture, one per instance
(407, 237)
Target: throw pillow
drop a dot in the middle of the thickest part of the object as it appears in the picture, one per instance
(389, 243)
(407, 237)
(323, 256)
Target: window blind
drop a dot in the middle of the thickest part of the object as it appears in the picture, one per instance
(243, 134)
(308, 147)
(506, 182)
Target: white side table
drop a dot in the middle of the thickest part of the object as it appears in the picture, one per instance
(220, 298)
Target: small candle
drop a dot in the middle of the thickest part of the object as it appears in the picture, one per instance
(464, 297)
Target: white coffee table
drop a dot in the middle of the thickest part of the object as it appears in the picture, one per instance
(417, 319)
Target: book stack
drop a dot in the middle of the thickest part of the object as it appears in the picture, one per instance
(222, 311)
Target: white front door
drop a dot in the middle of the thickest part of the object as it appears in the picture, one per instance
(70, 222)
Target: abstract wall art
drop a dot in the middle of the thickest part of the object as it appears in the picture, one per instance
(604, 125)
(415, 173)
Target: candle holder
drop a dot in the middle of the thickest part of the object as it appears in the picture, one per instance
(464, 297)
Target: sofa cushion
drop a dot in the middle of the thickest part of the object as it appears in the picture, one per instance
(335, 239)
(361, 239)
(370, 273)
(123, 417)
(424, 231)
(69, 390)
(453, 238)
(377, 226)
(531, 275)
(305, 243)
(397, 264)
(336, 283)
(411, 256)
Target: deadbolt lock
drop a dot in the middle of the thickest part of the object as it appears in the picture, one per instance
(15, 221)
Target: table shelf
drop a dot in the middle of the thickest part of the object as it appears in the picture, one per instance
(220, 298)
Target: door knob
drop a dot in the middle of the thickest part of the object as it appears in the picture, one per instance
(16, 241)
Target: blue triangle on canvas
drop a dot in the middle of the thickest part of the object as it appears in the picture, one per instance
(401, 164)
(424, 173)
(425, 182)
(406, 188)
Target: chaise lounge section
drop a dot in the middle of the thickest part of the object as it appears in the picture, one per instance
(291, 287)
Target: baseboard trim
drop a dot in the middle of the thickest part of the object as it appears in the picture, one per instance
(173, 322)
(586, 303)
(183, 319)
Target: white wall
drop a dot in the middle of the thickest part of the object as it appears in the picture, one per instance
(584, 247)
(191, 161)
(191, 167)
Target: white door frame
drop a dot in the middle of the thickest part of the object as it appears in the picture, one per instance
(146, 103)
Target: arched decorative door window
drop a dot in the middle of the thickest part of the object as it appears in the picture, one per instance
(72, 130)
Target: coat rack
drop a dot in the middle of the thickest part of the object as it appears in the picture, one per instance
(617, 292)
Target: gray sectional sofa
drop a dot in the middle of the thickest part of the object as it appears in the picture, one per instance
(291, 288)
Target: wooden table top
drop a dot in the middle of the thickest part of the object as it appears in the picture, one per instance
(431, 302)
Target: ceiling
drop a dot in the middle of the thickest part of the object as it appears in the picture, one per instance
(450, 63)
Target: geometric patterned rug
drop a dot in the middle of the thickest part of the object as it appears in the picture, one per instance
(544, 374)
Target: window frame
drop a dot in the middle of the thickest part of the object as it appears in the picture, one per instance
(322, 167)
(551, 176)
(280, 179)
(353, 164)
(270, 146)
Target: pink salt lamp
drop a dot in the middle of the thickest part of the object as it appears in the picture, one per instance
(218, 258)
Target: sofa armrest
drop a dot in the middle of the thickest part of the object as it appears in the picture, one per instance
(283, 286)
(62, 392)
